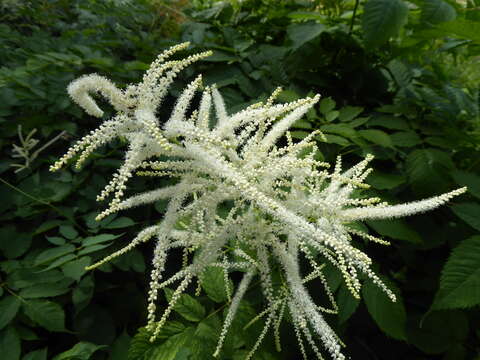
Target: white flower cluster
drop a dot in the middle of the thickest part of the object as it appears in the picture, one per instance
(284, 206)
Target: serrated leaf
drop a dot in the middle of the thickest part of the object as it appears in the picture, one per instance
(187, 306)
(52, 254)
(428, 170)
(169, 349)
(460, 279)
(119, 223)
(468, 212)
(47, 314)
(302, 33)
(327, 105)
(389, 316)
(10, 347)
(439, 331)
(12, 243)
(395, 229)
(81, 351)
(36, 355)
(383, 19)
(471, 180)
(405, 139)
(384, 181)
(75, 269)
(8, 309)
(347, 304)
(46, 290)
(348, 113)
(214, 285)
(93, 248)
(60, 261)
(437, 11)
(98, 239)
(378, 137)
(68, 232)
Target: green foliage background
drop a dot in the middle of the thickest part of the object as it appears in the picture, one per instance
(399, 80)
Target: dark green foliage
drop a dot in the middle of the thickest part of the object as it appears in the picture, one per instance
(398, 80)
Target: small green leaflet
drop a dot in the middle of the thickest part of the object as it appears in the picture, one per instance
(10, 345)
(8, 309)
(81, 351)
(187, 306)
(214, 284)
(45, 313)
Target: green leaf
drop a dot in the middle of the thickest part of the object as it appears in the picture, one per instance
(383, 19)
(214, 284)
(119, 349)
(471, 180)
(339, 129)
(45, 313)
(439, 331)
(81, 351)
(437, 11)
(83, 293)
(332, 115)
(119, 223)
(60, 261)
(384, 181)
(468, 212)
(8, 309)
(302, 33)
(327, 105)
(378, 137)
(347, 304)
(460, 280)
(389, 316)
(428, 170)
(55, 240)
(98, 239)
(52, 254)
(10, 344)
(12, 243)
(36, 355)
(464, 29)
(169, 349)
(348, 113)
(187, 306)
(405, 139)
(75, 269)
(46, 290)
(68, 232)
(395, 229)
(93, 248)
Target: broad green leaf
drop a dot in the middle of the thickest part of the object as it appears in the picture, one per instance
(464, 29)
(98, 239)
(47, 314)
(81, 351)
(384, 181)
(60, 261)
(169, 349)
(27, 277)
(460, 279)
(10, 347)
(383, 19)
(347, 304)
(8, 309)
(68, 231)
(119, 223)
(55, 240)
(395, 229)
(327, 105)
(47, 225)
(46, 290)
(405, 139)
(119, 349)
(437, 11)
(13, 243)
(348, 113)
(83, 293)
(36, 355)
(332, 115)
(339, 129)
(52, 254)
(75, 269)
(389, 122)
(428, 170)
(187, 306)
(471, 180)
(93, 248)
(302, 33)
(376, 136)
(214, 285)
(389, 316)
(439, 331)
(468, 212)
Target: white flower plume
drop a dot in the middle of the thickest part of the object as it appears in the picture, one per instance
(284, 206)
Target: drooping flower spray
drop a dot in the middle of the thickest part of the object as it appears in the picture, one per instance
(285, 206)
